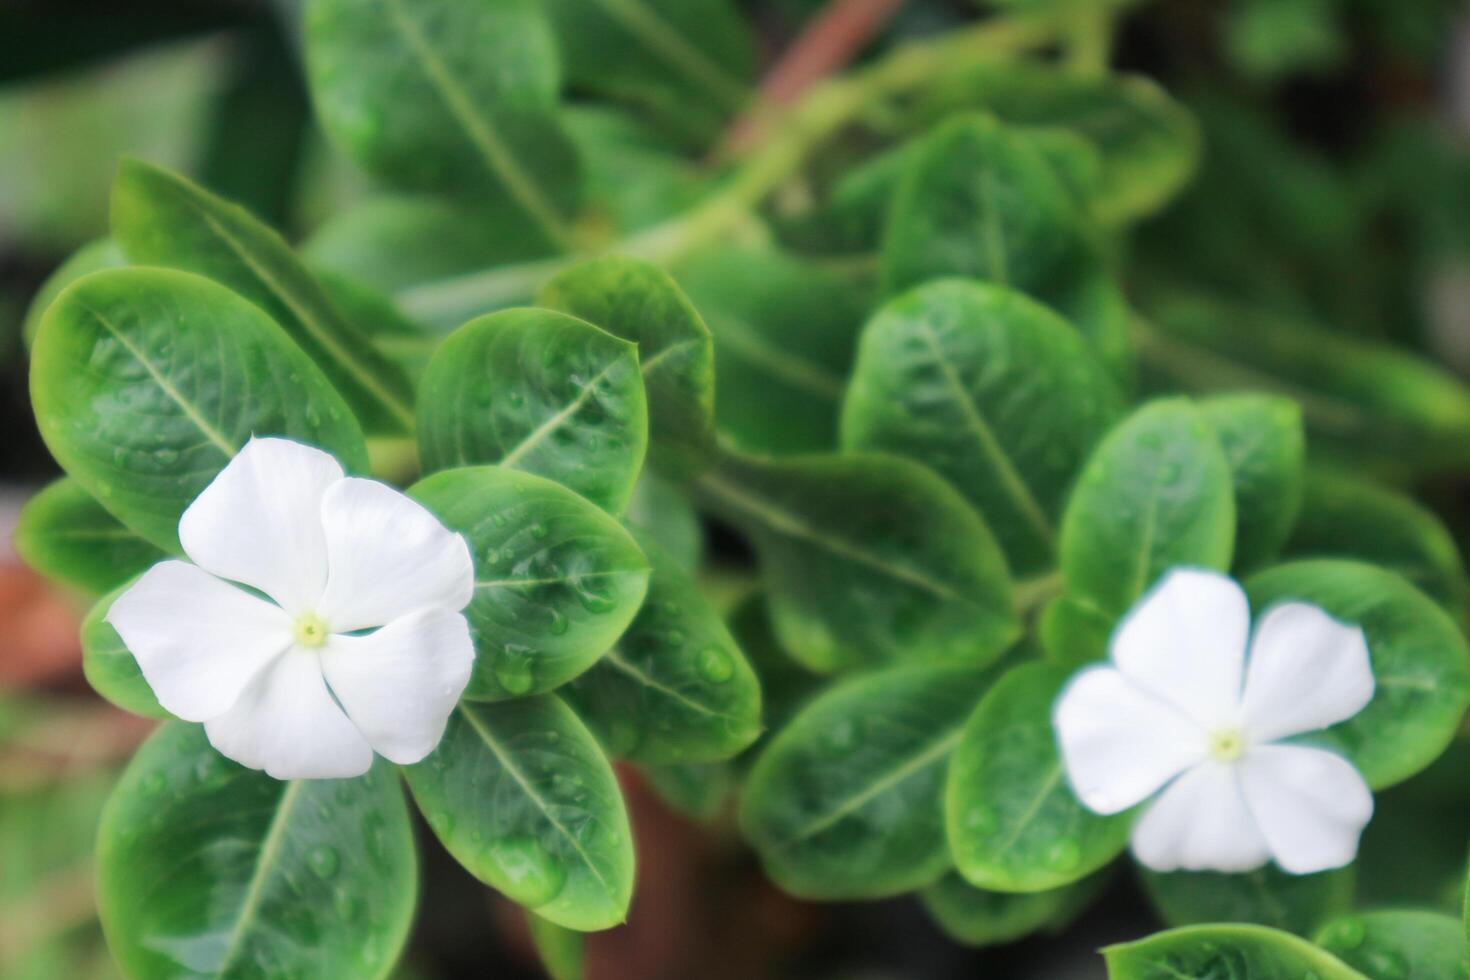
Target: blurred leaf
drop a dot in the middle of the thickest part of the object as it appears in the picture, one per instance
(102, 253)
(110, 666)
(1406, 942)
(1266, 448)
(1266, 896)
(1224, 950)
(662, 509)
(977, 917)
(561, 949)
(65, 534)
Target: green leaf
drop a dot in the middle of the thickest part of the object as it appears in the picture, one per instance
(1149, 144)
(1413, 851)
(1013, 822)
(66, 535)
(562, 951)
(691, 62)
(845, 801)
(1074, 632)
(635, 177)
(394, 241)
(1421, 665)
(784, 336)
(992, 390)
(373, 314)
(522, 796)
(637, 301)
(539, 391)
(1361, 398)
(1237, 952)
(159, 218)
(1264, 443)
(698, 790)
(146, 382)
(786, 684)
(663, 510)
(447, 95)
(979, 201)
(110, 666)
(1344, 517)
(1266, 896)
(868, 559)
(205, 868)
(1400, 943)
(102, 253)
(676, 688)
(977, 917)
(556, 580)
(1156, 493)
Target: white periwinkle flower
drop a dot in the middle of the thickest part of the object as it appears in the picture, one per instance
(1182, 712)
(292, 683)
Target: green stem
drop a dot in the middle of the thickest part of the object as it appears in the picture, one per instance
(809, 124)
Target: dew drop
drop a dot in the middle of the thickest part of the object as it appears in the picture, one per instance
(558, 626)
(529, 874)
(513, 670)
(981, 820)
(153, 784)
(499, 520)
(1349, 934)
(841, 736)
(1385, 964)
(1063, 855)
(323, 860)
(166, 457)
(539, 531)
(715, 665)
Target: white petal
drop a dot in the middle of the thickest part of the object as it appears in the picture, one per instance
(1185, 642)
(1307, 671)
(1311, 805)
(199, 641)
(287, 724)
(388, 556)
(1200, 823)
(399, 684)
(1120, 744)
(260, 522)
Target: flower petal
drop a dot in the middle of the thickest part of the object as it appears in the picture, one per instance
(198, 640)
(1307, 671)
(399, 684)
(1311, 805)
(1185, 642)
(1120, 744)
(388, 556)
(287, 724)
(1200, 823)
(260, 521)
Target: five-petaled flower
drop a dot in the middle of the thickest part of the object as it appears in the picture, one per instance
(1182, 710)
(293, 682)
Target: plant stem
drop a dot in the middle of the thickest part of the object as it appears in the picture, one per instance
(802, 129)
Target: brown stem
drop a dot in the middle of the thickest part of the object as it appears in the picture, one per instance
(827, 44)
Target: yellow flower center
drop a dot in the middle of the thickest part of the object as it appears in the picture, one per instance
(1227, 745)
(311, 631)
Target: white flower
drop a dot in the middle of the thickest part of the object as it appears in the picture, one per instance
(290, 683)
(1182, 710)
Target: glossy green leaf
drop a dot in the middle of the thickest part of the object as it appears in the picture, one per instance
(676, 688)
(1344, 517)
(539, 391)
(662, 509)
(1421, 665)
(556, 580)
(66, 535)
(562, 951)
(846, 801)
(100, 254)
(690, 62)
(1400, 943)
(1156, 493)
(523, 797)
(146, 382)
(1266, 896)
(1237, 952)
(110, 666)
(980, 201)
(1362, 398)
(205, 868)
(159, 218)
(447, 95)
(1149, 144)
(1013, 822)
(394, 241)
(868, 559)
(994, 392)
(977, 917)
(1074, 632)
(637, 301)
(784, 337)
(1264, 443)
